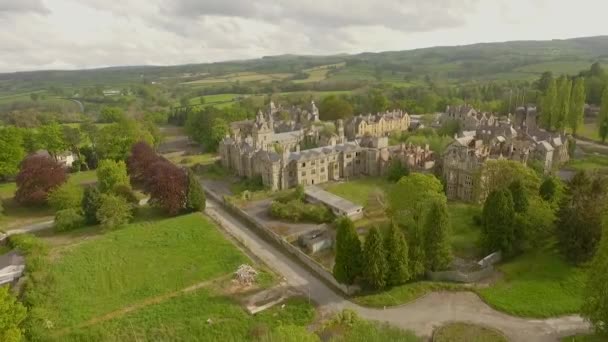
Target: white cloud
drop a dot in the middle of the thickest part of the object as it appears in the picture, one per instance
(43, 34)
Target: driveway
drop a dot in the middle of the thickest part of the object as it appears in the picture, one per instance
(420, 316)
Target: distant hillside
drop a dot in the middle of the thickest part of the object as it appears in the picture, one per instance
(517, 60)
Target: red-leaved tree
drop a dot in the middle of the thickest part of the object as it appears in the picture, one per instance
(139, 163)
(168, 186)
(38, 175)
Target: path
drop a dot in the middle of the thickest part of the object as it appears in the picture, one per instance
(31, 228)
(420, 316)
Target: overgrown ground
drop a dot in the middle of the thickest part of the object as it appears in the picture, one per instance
(122, 267)
(589, 162)
(464, 332)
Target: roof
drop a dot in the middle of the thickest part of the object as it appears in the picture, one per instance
(12, 258)
(287, 136)
(315, 153)
(465, 141)
(546, 145)
(331, 200)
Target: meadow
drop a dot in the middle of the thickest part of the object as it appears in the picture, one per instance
(122, 267)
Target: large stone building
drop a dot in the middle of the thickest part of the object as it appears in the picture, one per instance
(521, 142)
(378, 125)
(469, 118)
(255, 148)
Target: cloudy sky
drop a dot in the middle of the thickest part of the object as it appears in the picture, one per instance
(73, 34)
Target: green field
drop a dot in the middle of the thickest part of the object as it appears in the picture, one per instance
(465, 233)
(590, 131)
(190, 160)
(537, 284)
(246, 76)
(589, 162)
(465, 332)
(358, 190)
(402, 294)
(122, 267)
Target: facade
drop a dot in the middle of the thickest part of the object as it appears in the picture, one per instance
(525, 144)
(469, 118)
(256, 149)
(378, 125)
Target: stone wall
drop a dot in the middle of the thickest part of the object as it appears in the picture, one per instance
(291, 250)
(486, 268)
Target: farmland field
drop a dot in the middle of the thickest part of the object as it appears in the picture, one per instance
(240, 77)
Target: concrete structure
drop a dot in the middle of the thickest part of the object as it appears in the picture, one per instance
(316, 241)
(260, 149)
(12, 265)
(378, 125)
(523, 143)
(338, 205)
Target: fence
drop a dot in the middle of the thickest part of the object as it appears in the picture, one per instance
(286, 246)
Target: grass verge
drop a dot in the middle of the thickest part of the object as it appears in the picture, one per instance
(465, 332)
(403, 294)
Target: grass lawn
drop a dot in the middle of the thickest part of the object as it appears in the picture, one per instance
(589, 162)
(537, 284)
(404, 293)
(465, 234)
(358, 190)
(190, 160)
(464, 332)
(585, 338)
(185, 318)
(139, 261)
(7, 190)
(589, 130)
(363, 331)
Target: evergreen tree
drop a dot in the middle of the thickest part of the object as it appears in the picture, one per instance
(498, 217)
(437, 239)
(602, 121)
(396, 256)
(595, 305)
(195, 200)
(417, 258)
(90, 204)
(579, 222)
(347, 265)
(374, 260)
(560, 116)
(548, 104)
(577, 104)
(548, 189)
(520, 197)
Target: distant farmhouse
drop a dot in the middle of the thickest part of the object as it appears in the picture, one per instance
(490, 138)
(273, 149)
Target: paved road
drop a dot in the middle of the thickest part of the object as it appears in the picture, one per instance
(31, 228)
(420, 316)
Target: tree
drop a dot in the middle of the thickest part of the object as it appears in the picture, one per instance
(12, 313)
(90, 203)
(544, 80)
(497, 174)
(219, 129)
(374, 260)
(396, 171)
(602, 121)
(66, 196)
(11, 151)
(548, 106)
(498, 217)
(195, 200)
(111, 114)
(577, 104)
(548, 189)
(579, 222)
(115, 140)
(377, 101)
(437, 237)
(333, 108)
(38, 176)
(519, 195)
(347, 265)
(560, 116)
(408, 197)
(397, 258)
(51, 139)
(114, 211)
(595, 305)
(110, 174)
(73, 139)
(168, 187)
(141, 158)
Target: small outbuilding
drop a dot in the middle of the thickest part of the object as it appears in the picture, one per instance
(12, 265)
(338, 205)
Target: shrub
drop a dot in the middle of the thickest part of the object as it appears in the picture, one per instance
(68, 219)
(110, 174)
(195, 200)
(297, 211)
(66, 196)
(90, 204)
(114, 211)
(125, 191)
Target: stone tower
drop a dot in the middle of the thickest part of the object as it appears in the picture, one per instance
(340, 131)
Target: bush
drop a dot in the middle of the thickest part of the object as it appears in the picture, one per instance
(110, 174)
(66, 196)
(297, 211)
(125, 191)
(195, 199)
(114, 211)
(90, 204)
(68, 219)
(38, 175)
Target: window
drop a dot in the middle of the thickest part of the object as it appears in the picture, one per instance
(313, 172)
(357, 154)
(349, 155)
(322, 169)
(303, 164)
(322, 161)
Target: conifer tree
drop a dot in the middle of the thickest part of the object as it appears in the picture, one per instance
(417, 258)
(577, 104)
(396, 256)
(195, 199)
(347, 265)
(559, 117)
(548, 104)
(437, 242)
(498, 217)
(519, 195)
(602, 121)
(374, 260)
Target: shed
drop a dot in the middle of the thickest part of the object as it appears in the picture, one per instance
(12, 265)
(339, 205)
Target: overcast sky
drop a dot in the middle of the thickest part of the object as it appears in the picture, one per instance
(74, 34)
